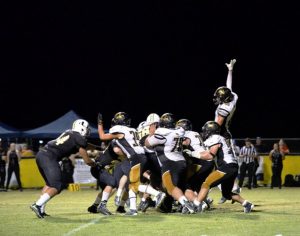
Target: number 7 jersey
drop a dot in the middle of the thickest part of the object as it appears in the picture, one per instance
(168, 143)
(129, 144)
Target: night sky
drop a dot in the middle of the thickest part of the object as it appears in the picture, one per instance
(150, 56)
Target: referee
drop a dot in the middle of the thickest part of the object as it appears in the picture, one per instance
(247, 155)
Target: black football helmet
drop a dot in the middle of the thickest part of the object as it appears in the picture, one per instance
(121, 118)
(185, 124)
(167, 120)
(210, 128)
(222, 95)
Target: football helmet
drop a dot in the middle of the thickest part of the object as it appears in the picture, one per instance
(185, 124)
(167, 120)
(81, 126)
(222, 95)
(152, 118)
(210, 128)
(121, 118)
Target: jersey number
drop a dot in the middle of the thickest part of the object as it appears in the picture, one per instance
(61, 139)
(178, 145)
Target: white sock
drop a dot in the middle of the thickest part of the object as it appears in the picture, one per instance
(43, 199)
(244, 203)
(43, 208)
(119, 192)
(105, 196)
(148, 189)
(220, 187)
(132, 199)
(235, 187)
(182, 199)
(196, 202)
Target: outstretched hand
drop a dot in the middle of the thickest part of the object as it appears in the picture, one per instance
(230, 64)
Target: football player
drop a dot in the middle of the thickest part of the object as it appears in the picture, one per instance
(69, 142)
(167, 142)
(126, 139)
(198, 169)
(153, 170)
(226, 101)
(226, 167)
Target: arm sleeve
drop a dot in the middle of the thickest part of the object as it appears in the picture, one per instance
(156, 139)
(229, 80)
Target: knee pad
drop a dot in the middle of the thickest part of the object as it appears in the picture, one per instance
(167, 182)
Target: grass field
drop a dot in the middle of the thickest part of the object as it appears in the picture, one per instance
(277, 212)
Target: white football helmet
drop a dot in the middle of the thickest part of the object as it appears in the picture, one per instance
(81, 126)
(152, 118)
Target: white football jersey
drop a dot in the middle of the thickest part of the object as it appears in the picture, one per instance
(168, 143)
(227, 110)
(223, 155)
(196, 142)
(130, 135)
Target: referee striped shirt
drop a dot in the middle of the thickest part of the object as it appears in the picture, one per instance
(249, 152)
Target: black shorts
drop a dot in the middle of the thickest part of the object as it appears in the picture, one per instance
(177, 170)
(195, 181)
(122, 168)
(49, 169)
(104, 177)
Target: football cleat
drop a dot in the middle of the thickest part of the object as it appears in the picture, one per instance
(131, 213)
(93, 208)
(188, 207)
(222, 200)
(102, 209)
(121, 209)
(159, 199)
(143, 206)
(117, 200)
(248, 207)
(37, 210)
(44, 214)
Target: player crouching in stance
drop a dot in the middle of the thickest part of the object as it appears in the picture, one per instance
(226, 167)
(48, 158)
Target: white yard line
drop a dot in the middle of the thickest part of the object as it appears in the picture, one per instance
(83, 226)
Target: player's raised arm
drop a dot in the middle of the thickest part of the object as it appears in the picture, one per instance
(230, 66)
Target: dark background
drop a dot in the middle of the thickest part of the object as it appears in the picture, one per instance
(150, 56)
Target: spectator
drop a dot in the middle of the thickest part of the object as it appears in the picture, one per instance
(13, 159)
(247, 154)
(2, 167)
(277, 157)
(283, 147)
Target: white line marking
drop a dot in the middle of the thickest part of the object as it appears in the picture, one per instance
(83, 226)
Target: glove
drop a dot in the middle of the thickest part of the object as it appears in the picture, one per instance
(187, 152)
(100, 119)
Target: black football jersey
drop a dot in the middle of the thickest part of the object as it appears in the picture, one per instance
(66, 144)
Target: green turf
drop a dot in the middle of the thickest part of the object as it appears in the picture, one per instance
(277, 212)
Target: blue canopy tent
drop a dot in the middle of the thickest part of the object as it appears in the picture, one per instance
(7, 131)
(56, 127)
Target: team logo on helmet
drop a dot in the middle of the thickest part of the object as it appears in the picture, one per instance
(222, 95)
(167, 120)
(121, 118)
(185, 124)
